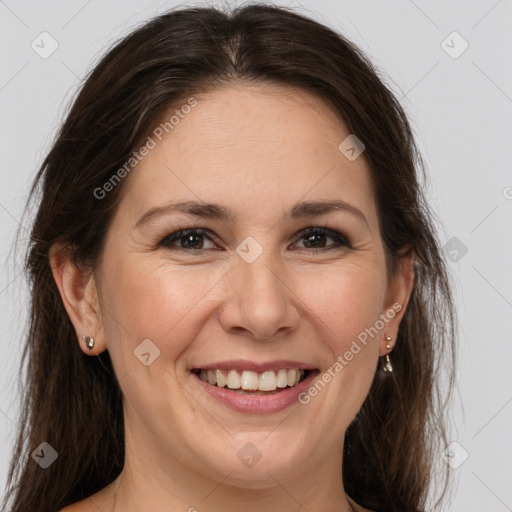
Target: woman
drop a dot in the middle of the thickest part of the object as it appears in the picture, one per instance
(238, 298)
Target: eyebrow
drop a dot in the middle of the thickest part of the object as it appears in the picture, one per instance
(214, 211)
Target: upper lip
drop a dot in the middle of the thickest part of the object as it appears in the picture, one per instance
(242, 364)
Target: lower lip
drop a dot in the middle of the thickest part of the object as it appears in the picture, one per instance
(258, 404)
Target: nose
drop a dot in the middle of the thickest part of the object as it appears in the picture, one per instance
(259, 303)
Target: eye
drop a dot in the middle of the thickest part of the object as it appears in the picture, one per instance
(194, 240)
(189, 239)
(317, 236)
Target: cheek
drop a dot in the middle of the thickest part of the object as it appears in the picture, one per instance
(156, 301)
(348, 300)
(164, 302)
(343, 305)
(347, 305)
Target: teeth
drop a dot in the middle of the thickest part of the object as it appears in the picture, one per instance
(282, 379)
(268, 381)
(292, 377)
(221, 379)
(249, 380)
(252, 381)
(233, 380)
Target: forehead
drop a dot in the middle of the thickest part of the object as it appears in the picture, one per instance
(254, 148)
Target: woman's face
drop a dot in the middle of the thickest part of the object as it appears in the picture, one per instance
(252, 292)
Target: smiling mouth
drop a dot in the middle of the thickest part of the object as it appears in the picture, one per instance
(253, 383)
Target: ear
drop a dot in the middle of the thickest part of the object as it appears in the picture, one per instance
(80, 298)
(398, 293)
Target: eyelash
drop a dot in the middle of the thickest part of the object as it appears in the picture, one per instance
(178, 235)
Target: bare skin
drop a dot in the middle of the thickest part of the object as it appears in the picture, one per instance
(256, 150)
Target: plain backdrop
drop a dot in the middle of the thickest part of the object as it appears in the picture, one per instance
(459, 101)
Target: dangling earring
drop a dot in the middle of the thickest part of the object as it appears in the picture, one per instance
(89, 341)
(387, 367)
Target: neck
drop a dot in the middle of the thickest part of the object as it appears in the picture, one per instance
(171, 485)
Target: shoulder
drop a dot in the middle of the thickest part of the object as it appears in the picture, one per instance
(87, 506)
(79, 506)
(100, 500)
(357, 507)
(73, 508)
(94, 503)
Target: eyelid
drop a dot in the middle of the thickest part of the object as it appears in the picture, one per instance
(179, 233)
(335, 235)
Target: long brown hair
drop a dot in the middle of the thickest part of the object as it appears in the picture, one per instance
(392, 446)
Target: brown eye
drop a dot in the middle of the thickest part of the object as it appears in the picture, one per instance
(316, 238)
(188, 239)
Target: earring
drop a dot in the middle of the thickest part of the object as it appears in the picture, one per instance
(387, 367)
(89, 341)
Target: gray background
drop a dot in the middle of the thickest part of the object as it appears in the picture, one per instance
(460, 109)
